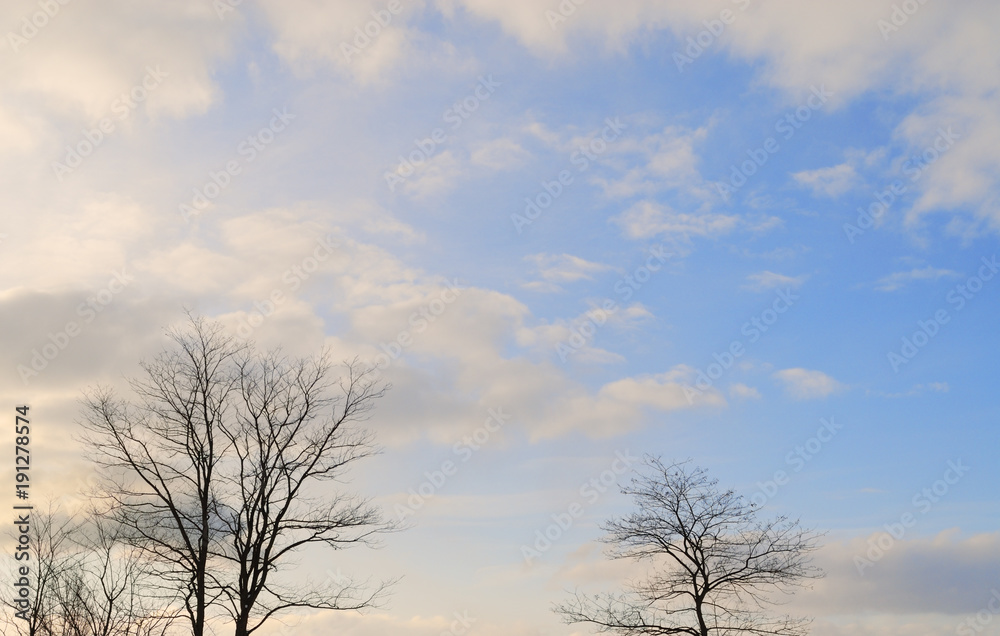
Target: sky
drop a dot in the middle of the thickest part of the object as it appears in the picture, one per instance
(758, 235)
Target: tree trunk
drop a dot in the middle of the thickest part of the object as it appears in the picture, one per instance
(199, 600)
(242, 623)
(702, 626)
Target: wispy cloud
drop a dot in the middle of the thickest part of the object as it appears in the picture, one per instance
(898, 280)
(744, 392)
(806, 384)
(918, 389)
(768, 280)
(664, 160)
(831, 182)
(648, 219)
(554, 269)
(499, 154)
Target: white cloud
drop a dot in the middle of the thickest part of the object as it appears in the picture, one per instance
(943, 56)
(918, 389)
(648, 219)
(308, 33)
(636, 162)
(438, 176)
(80, 246)
(834, 181)
(546, 337)
(549, 338)
(379, 623)
(821, 37)
(83, 59)
(618, 406)
(805, 384)
(744, 392)
(898, 280)
(955, 139)
(455, 365)
(564, 268)
(445, 171)
(908, 578)
(831, 182)
(542, 287)
(499, 154)
(20, 131)
(768, 280)
(659, 162)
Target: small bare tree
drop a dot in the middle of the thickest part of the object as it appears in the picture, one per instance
(51, 557)
(290, 433)
(107, 591)
(715, 566)
(85, 582)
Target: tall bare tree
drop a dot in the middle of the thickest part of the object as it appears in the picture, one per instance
(161, 455)
(291, 435)
(715, 566)
(223, 470)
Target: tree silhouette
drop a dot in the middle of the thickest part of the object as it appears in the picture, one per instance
(715, 566)
(288, 435)
(227, 463)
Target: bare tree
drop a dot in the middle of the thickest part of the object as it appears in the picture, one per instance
(85, 582)
(106, 592)
(715, 566)
(50, 558)
(222, 471)
(291, 434)
(161, 456)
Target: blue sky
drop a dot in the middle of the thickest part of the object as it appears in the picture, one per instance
(883, 104)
